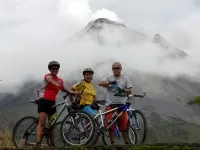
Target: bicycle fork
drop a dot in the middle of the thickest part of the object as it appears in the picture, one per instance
(137, 123)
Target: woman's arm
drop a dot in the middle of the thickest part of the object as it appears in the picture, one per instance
(49, 79)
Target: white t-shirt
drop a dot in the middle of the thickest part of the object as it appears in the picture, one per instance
(122, 82)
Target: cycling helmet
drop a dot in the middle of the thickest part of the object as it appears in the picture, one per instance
(88, 70)
(53, 63)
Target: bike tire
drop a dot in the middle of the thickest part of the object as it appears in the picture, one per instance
(17, 125)
(71, 124)
(58, 139)
(96, 133)
(103, 139)
(131, 129)
(138, 112)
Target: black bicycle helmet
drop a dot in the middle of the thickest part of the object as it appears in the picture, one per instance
(88, 70)
(52, 64)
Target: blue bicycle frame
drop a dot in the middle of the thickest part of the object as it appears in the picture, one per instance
(123, 108)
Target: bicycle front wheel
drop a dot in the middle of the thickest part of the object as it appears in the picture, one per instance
(139, 124)
(77, 128)
(132, 136)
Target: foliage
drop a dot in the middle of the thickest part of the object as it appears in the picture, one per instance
(195, 100)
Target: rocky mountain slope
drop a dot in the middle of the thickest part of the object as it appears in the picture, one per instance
(103, 30)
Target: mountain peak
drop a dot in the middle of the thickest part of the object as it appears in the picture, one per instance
(98, 24)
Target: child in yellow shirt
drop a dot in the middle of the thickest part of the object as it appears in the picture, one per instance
(86, 91)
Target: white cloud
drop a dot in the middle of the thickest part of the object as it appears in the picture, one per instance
(34, 32)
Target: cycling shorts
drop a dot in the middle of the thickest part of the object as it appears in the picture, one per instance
(122, 121)
(45, 106)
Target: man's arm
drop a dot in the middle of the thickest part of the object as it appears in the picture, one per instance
(104, 82)
(127, 90)
(128, 87)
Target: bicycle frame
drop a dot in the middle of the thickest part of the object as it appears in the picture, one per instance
(136, 126)
(65, 105)
(123, 108)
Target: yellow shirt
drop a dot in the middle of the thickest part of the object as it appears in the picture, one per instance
(88, 92)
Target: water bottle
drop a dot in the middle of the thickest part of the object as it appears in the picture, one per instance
(53, 117)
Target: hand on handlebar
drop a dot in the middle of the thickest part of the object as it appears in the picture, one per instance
(120, 89)
(71, 92)
(112, 82)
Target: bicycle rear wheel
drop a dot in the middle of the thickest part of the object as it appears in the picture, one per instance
(27, 132)
(139, 124)
(72, 134)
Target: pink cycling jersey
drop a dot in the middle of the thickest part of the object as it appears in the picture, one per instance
(49, 91)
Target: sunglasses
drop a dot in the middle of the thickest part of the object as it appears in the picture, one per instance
(117, 68)
(54, 69)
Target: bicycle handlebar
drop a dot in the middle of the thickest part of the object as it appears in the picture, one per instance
(65, 96)
(122, 92)
(140, 96)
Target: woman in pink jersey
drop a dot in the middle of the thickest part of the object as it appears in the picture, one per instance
(47, 98)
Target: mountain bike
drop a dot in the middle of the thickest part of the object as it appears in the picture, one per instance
(70, 120)
(132, 127)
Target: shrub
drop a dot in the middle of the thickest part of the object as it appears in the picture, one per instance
(195, 100)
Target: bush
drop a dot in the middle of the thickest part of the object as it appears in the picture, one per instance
(195, 100)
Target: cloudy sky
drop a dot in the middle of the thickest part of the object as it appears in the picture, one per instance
(34, 32)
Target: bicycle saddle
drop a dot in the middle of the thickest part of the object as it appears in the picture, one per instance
(34, 101)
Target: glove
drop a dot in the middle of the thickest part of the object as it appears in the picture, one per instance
(120, 89)
(113, 82)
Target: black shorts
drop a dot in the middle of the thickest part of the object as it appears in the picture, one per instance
(45, 106)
